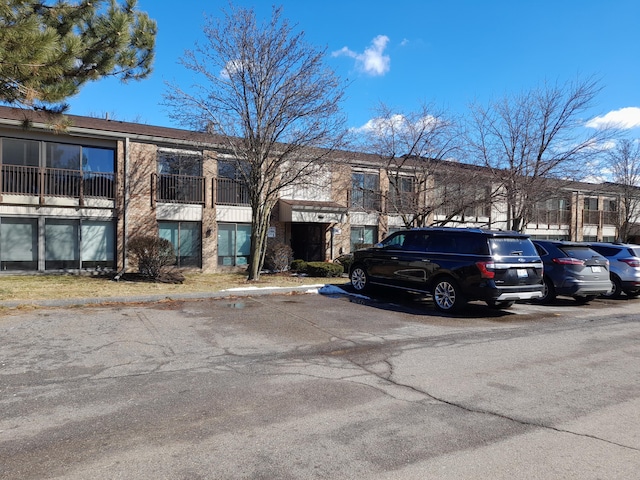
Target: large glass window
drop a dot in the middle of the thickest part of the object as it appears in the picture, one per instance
(363, 236)
(20, 152)
(185, 237)
(98, 160)
(234, 244)
(180, 178)
(98, 244)
(61, 240)
(19, 244)
(64, 156)
(365, 191)
(20, 160)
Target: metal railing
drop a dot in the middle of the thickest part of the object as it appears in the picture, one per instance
(56, 182)
(368, 200)
(180, 189)
(551, 217)
(231, 192)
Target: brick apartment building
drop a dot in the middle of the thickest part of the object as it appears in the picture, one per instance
(71, 199)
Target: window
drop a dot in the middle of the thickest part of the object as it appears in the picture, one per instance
(552, 211)
(401, 195)
(591, 213)
(61, 240)
(19, 244)
(20, 152)
(186, 240)
(365, 191)
(363, 236)
(98, 244)
(234, 244)
(63, 156)
(20, 161)
(180, 178)
(231, 186)
(98, 167)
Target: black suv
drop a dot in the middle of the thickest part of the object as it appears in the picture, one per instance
(454, 265)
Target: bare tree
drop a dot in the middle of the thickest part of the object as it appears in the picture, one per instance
(275, 103)
(417, 150)
(624, 164)
(530, 139)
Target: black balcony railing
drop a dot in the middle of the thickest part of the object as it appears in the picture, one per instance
(231, 192)
(56, 182)
(180, 189)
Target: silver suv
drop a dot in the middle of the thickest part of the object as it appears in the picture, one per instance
(624, 266)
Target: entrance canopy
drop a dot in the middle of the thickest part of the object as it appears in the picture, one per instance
(309, 211)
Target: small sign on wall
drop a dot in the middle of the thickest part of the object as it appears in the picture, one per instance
(271, 232)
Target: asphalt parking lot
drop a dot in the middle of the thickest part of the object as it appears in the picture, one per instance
(320, 386)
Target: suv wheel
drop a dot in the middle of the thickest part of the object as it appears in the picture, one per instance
(632, 293)
(616, 288)
(359, 279)
(548, 291)
(447, 296)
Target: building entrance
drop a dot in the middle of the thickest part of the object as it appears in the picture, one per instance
(307, 241)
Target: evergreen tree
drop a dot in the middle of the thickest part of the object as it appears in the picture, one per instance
(48, 50)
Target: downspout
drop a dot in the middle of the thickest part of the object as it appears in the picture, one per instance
(125, 207)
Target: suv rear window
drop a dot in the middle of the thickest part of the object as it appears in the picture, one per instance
(508, 246)
(606, 251)
(581, 253)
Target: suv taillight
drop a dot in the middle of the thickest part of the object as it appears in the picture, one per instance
(486, 269)
(568, 261)
(632, 262)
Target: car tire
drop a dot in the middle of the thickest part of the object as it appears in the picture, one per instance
(583, 299)
(548, 291)
(500, 305)
(632, 293)
(616, 288)
(359, 279)
(447, 296)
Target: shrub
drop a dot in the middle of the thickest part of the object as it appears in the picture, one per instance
(278, 256)
(299, 266)
(324, 269)
(151, 254)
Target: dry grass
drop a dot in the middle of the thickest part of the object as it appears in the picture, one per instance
(56, 287)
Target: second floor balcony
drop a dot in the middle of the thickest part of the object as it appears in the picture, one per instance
(231, 192)
(179, 189)
(56, 182)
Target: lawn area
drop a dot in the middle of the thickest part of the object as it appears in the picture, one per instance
(55, 287)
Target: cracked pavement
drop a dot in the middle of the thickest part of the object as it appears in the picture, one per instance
(313, 386)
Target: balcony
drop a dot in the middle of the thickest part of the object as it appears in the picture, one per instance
(56, 182)
(551, 217)
(179, 189)
(367, 200)
(595, 217)
(231, 192)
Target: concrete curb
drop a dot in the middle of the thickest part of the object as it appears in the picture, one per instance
(230, 293)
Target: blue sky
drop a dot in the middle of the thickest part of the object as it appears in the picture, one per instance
(407, 52)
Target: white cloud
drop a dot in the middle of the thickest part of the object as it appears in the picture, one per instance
(625, 118)
(372, 61)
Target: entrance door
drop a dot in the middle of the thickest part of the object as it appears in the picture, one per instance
(307, 241)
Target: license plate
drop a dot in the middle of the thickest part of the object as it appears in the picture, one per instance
(522, 273)
(596, 269)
